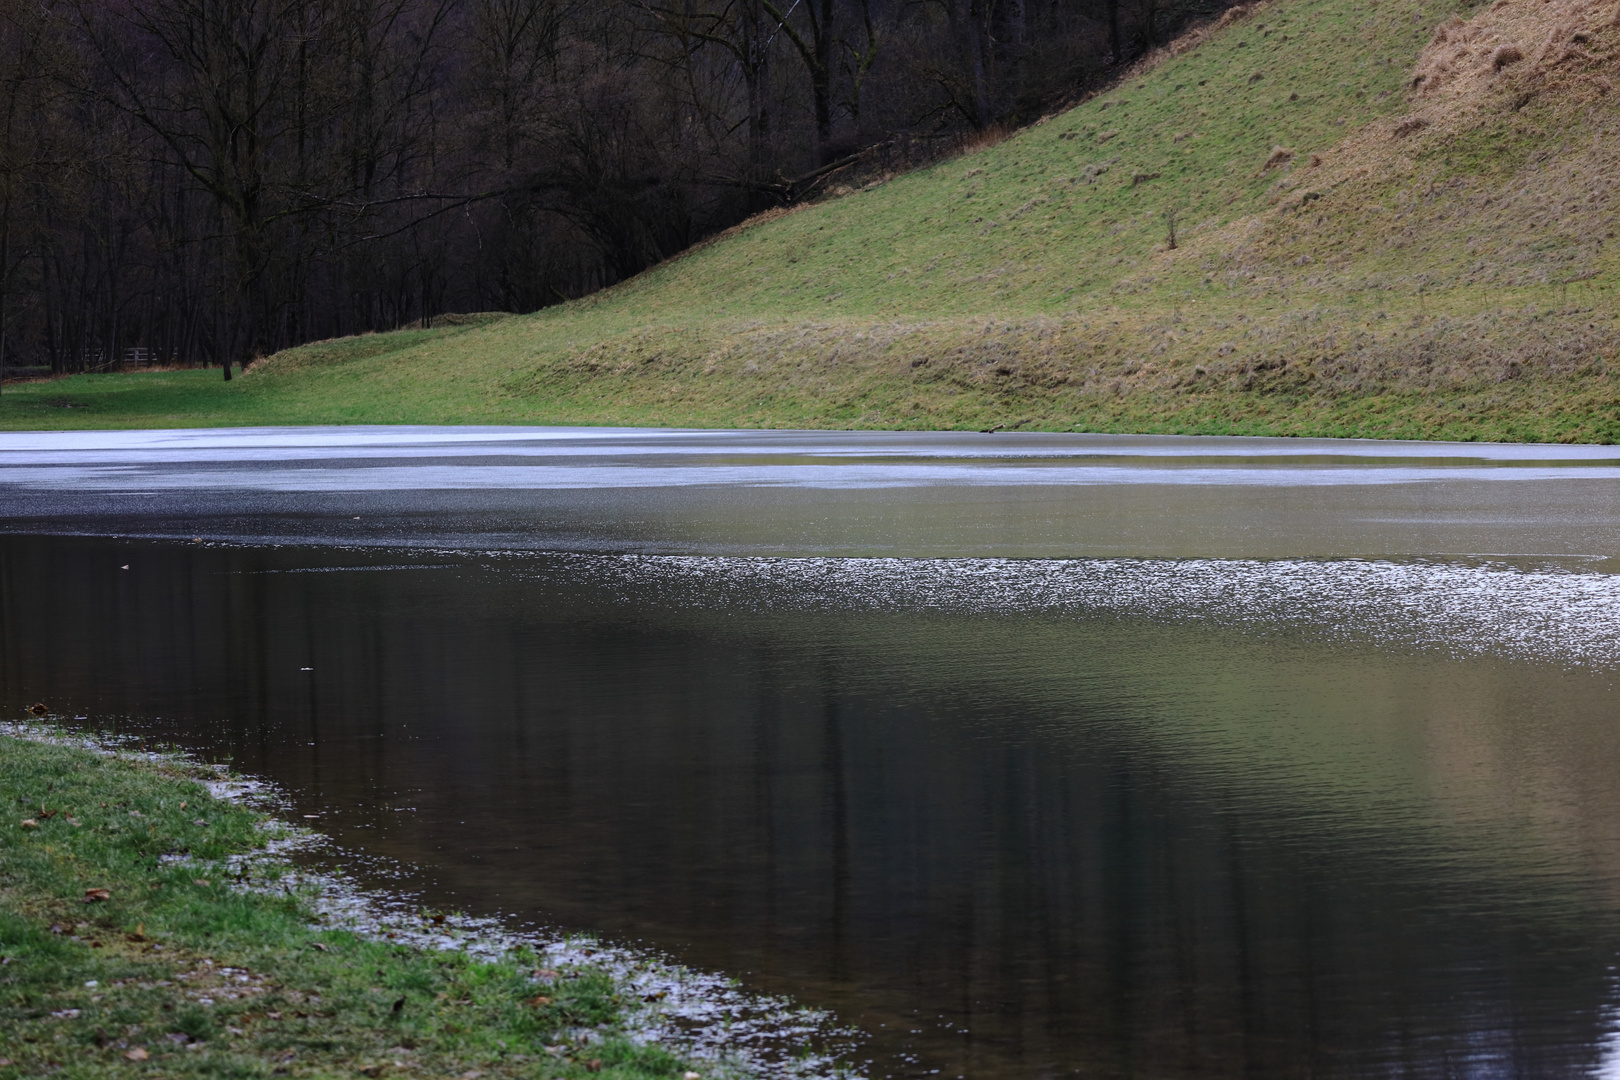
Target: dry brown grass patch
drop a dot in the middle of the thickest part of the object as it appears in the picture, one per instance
(1280, 156)
(1462, 81)
(1543, 36)
(985, 138)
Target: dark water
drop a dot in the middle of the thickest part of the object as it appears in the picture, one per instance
(1292, 817)
(1009, 844)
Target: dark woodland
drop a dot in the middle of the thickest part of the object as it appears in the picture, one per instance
(207, 181)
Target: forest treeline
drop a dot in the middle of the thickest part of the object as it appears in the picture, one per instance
(206, 181)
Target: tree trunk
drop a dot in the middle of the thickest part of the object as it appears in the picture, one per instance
(978, 43)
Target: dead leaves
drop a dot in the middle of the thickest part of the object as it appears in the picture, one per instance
(539, 1001)
(95, 896)
(29, 823)
(137, 1053)
(38, 709)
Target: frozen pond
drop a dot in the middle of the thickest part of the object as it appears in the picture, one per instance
(872, 493)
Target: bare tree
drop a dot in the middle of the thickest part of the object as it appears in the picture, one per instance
(209, 180)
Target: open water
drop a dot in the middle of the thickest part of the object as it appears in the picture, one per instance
(1030, 756)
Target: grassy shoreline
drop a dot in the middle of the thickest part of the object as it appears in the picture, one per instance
(128, 951)
(1576, 407)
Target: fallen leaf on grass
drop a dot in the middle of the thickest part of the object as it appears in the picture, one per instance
(593, 1065)
(140, 933)
(93, 895)
(138, 1054)
(200, 822)
(692, 1076)
(202, 883)
(320, 945)
(30, 823)
(544, 974)
(538, 1000)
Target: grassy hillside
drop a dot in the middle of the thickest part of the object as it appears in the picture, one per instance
(1391, 218)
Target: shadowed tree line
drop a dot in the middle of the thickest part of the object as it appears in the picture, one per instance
(206, 181)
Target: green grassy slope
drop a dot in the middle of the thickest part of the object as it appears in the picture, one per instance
(1354, 257)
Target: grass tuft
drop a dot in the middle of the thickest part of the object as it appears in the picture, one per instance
(172, 973)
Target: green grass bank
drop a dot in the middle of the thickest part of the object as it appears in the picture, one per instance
(120, 963)
(1318, 217)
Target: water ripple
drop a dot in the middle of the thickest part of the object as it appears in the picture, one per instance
(1546, 613)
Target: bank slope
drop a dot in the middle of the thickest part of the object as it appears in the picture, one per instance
(1318, 217)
